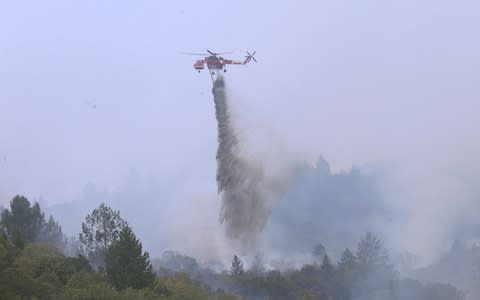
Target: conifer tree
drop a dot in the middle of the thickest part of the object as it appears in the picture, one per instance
(22, 223)
(127, 265)
(237, 267)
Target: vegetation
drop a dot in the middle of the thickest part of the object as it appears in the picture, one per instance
(99, 231)
(366, 275)
(237, 267)
(126, 265)
(33, 266)
(24, 224)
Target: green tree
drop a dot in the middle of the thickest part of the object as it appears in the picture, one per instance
(23, 222)
(126, 265)
(236, 269)
(51, 233)
(99, 231)
(40, 271)
(181, 286)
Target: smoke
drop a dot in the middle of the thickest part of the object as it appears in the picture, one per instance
(245, 188)
(333, 209)
(244, 209)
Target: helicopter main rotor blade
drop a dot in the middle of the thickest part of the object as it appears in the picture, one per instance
(219, 53)
(188, 53)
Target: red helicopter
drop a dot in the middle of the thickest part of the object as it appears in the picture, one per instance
(215, 62)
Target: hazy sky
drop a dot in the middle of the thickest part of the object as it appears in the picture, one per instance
(359, 82)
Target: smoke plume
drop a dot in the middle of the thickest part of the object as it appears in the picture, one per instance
(244, 209)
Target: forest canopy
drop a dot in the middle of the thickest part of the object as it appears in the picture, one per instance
(110, 263)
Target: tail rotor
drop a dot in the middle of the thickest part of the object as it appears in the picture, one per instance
(249, 57)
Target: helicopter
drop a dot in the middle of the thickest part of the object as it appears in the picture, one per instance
(215, 63)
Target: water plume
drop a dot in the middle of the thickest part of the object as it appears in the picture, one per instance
(244, 209)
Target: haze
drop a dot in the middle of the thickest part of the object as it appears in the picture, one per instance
(373, 84)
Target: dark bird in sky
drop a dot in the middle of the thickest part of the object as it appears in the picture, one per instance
(92, 105)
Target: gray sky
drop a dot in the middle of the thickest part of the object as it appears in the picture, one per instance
(359, 82)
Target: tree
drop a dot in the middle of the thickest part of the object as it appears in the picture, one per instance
(178, 262)
(99, 231)
(376, 276)
(327, 269)
(23, 222)
(126, 265)
(329, 279)
(5, 252)
(371, 253)
(237, 267)
(347, 262)
(41, 261)
(51, 233)
(347, 268)
(39, 271)
(318, 252)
